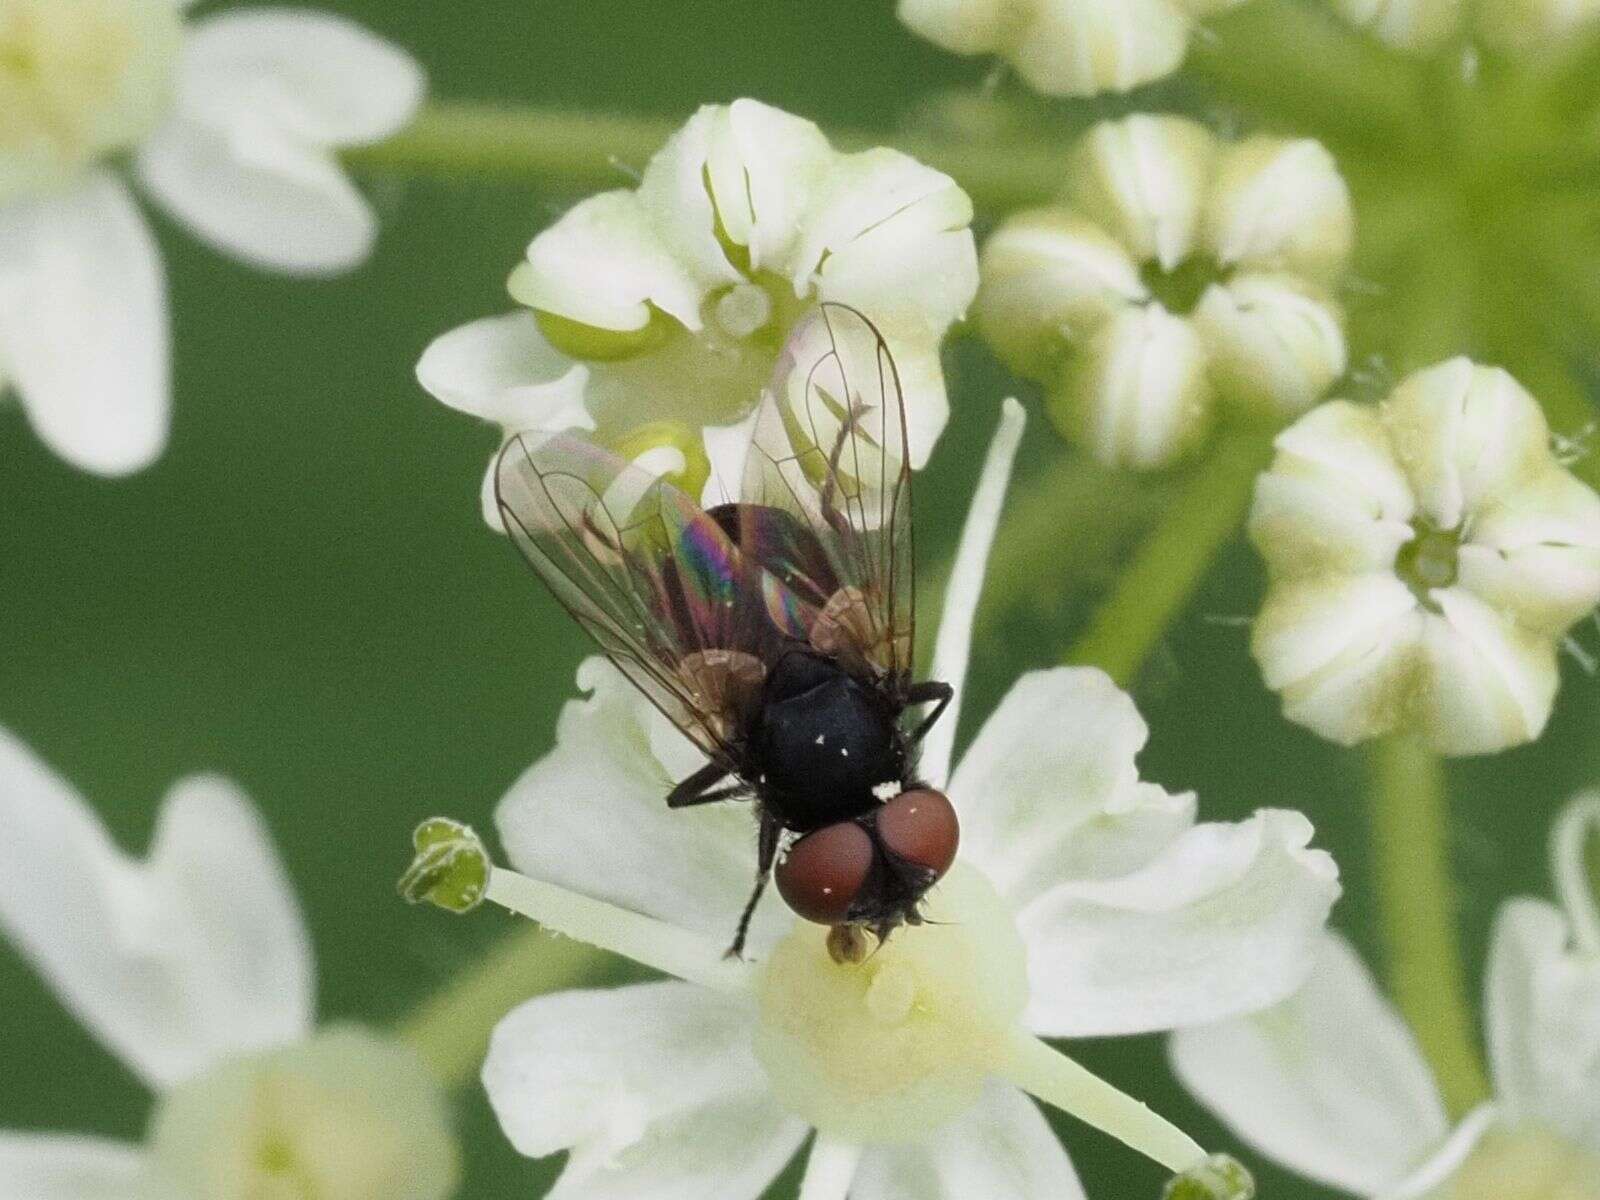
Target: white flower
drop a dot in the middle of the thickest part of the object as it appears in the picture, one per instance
(1068, 47)
(1522, 28)
(1425, 558)
(1084, 903)
(666, 306)
(232, 122)
(193, 967)
(1331, 1084)
(1177, 271)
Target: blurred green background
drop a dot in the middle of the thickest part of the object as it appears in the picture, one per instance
(301, 595)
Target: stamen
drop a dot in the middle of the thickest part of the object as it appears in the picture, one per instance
(830, 1169)
(1039, 1068)
(953, 644)
(645, 940)
(1569, 864)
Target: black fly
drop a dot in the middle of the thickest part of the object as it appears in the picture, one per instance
(776, 631)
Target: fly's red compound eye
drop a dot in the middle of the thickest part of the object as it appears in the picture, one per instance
(920, 827)
(823, 872)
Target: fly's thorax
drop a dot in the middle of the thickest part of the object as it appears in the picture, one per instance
(825, 744)
(80, 81)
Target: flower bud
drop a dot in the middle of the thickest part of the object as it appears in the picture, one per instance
(1050, 277)
(1275, 345)
(1280, 205)
(1143, 180)
(1137, 396)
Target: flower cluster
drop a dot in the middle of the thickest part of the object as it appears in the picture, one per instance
(1426, 557)
(1085, 902)
(1178, 271)
(1331, 1084)
(231, 122)
(655, 313)
(1068, 47)
(193, 967)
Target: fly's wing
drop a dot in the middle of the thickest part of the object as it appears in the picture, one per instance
(830, 450)
(655, 581)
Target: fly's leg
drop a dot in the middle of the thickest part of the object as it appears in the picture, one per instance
(921, 693)
(766, 855)
(698, 789)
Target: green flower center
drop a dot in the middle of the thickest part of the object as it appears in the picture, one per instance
(79, 80)
(1179, 290)
(888, 1048)
(343, 1116)
(1430, 560)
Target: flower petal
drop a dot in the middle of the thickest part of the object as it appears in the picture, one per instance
(891, 237)
(1138, 395)
(502, 369)
(653, 1088)
(1049, 787)
(247, 160)
(1334, 501)
(1489, 685)
(1466, 436)
(1143, 179)
(1226, 921)
(175, 962)
(1081, 47)
(602, 264)
(1279, 205)
(1329, 1082)
(1001, 1149)
(1050, 277)
(83, 326)
(962, 26)
(70, 1167)
(592, 816)
(1536, 553)
(1542, 1014)
(323, 79)
(1343, 651)
(1276, 345)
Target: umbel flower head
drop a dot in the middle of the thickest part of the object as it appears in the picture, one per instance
(1177, 272)
(193, 967)
(1425, 558)
(657, 312)
(1068, 47)
(1331, 1083)
(1084, 902)
(1514, 28)
(231, 122)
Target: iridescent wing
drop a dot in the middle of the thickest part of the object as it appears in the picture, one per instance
(830, 451)
(657, 583)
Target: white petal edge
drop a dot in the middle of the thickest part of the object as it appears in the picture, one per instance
(502, 370)
(83, 326)
(1000, 1149)
(1447, 1159)
(1329, 1082)
(591, 816)
(1226, 921)
(1542, 1018)
(176, 962)
(952, 646)
(1049, 790)
(56, 1166)
(654, 1088)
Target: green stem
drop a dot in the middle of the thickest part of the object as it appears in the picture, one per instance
(1416, 902)
(451, 1028)
(1169, 564)
(574, 151)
